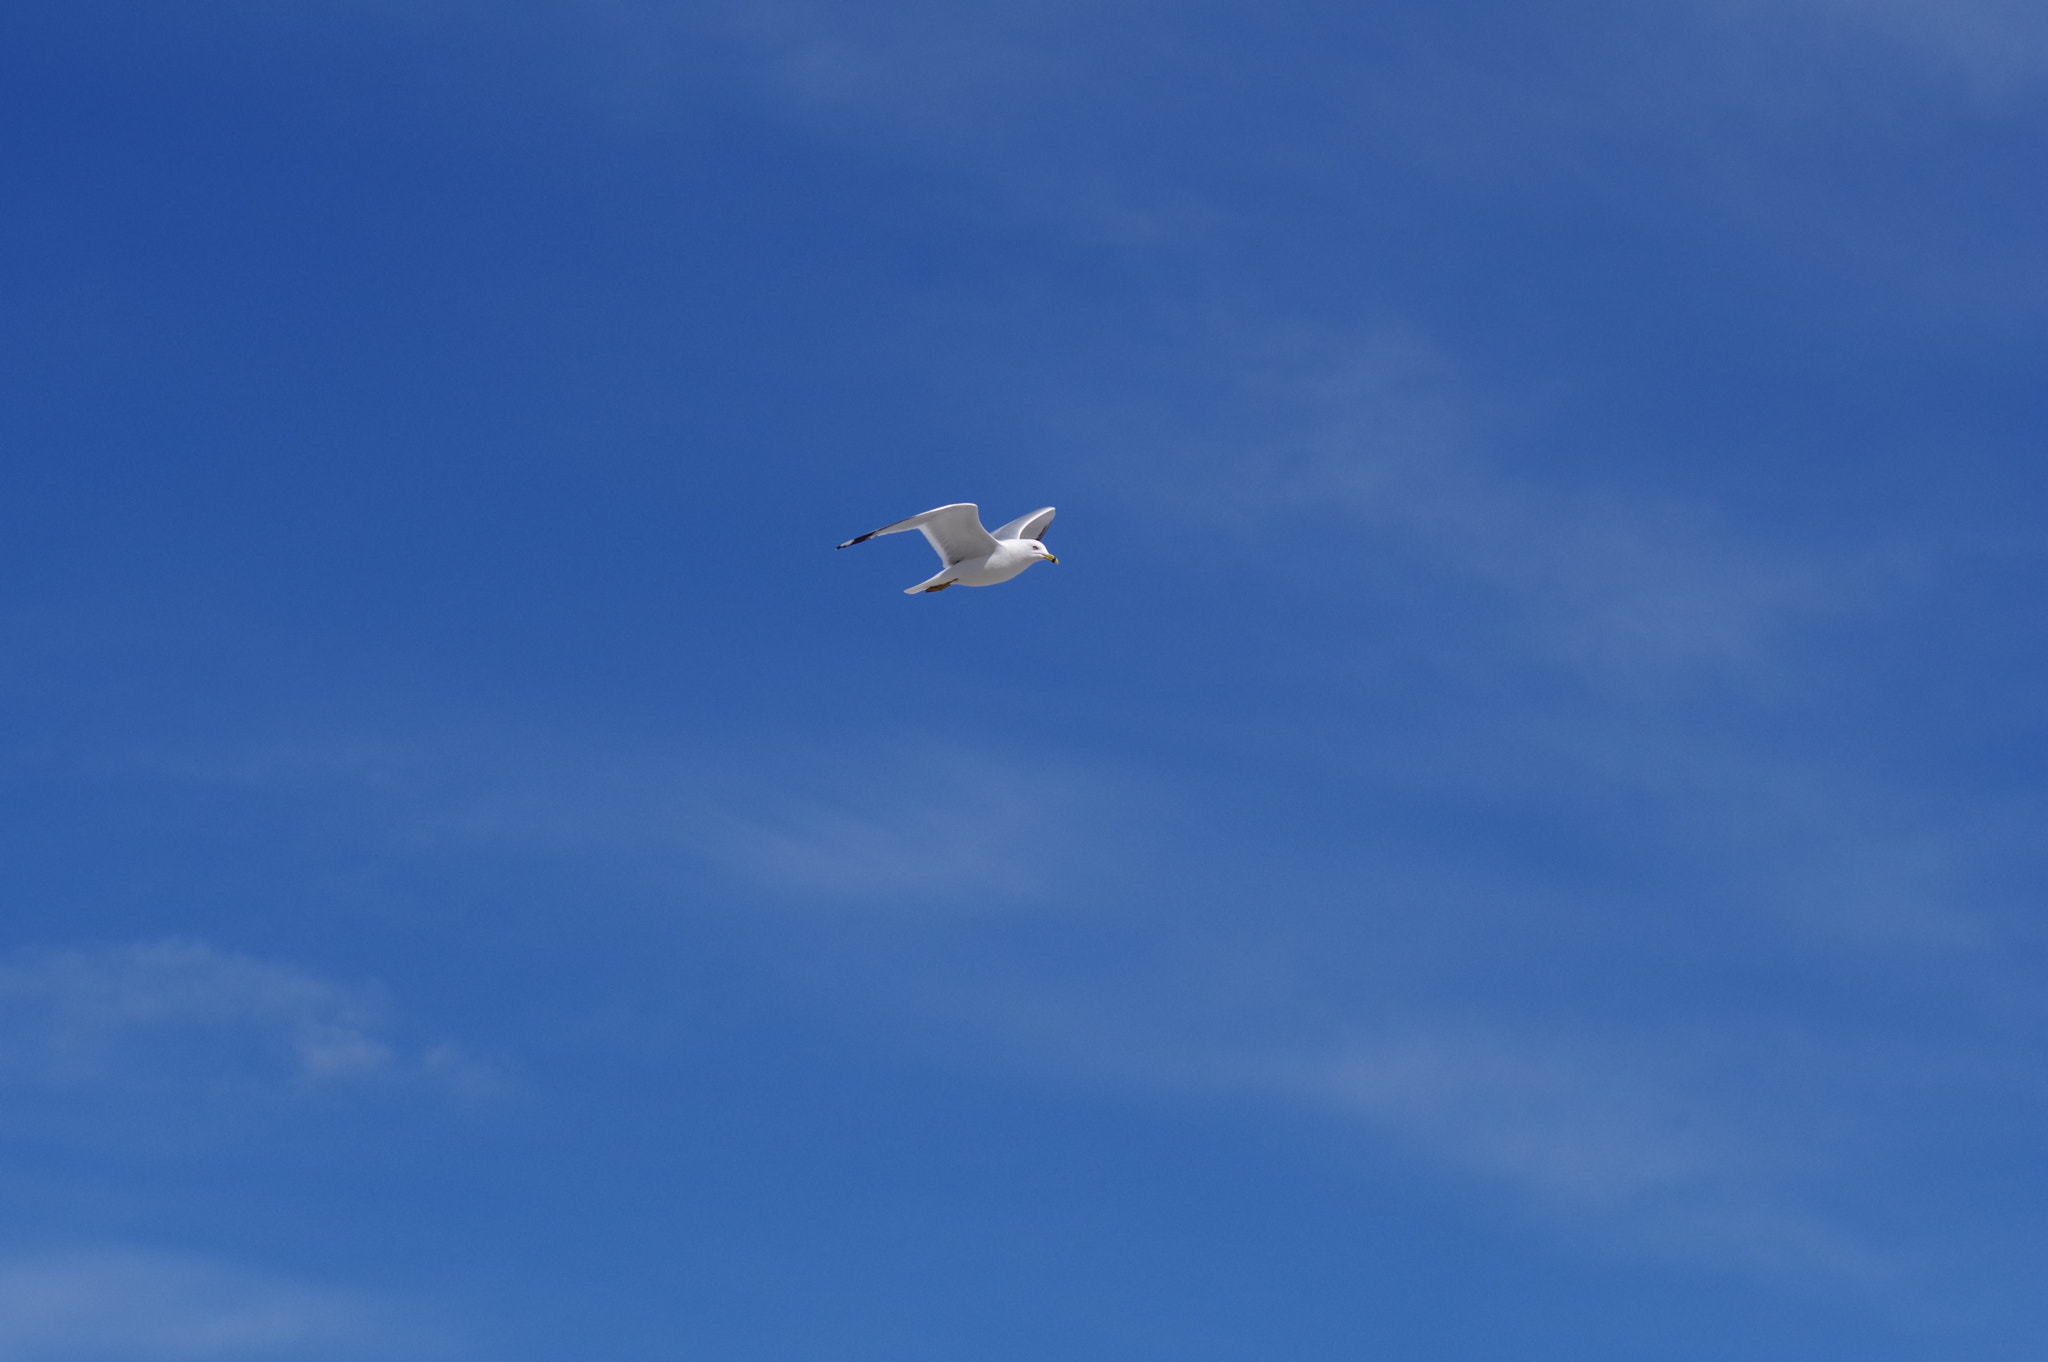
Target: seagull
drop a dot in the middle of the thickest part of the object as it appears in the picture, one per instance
(972, 556)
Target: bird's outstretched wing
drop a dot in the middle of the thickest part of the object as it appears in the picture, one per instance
(954, 531)
(1027, 526)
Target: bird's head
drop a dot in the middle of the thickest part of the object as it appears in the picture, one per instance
(1039, 550)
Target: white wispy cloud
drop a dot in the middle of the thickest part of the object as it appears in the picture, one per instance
(132, 1305)
(1343, 456)
(1583, 83)
(917, 820)
(1634, 1132)
(1758, 116)
(1560, 1118)
(1458, 1012)
(1796, 125)
(1998, 48)
(956, 829)
(1743, 1130)
(170, 1014)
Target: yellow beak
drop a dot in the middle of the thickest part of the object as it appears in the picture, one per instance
(1050, 559)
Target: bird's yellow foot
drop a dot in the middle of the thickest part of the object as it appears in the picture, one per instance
(940, 587)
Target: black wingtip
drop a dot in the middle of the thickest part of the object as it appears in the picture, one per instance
(861, 540)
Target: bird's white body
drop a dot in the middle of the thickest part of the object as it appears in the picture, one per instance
(1011, 557)
(969, 555)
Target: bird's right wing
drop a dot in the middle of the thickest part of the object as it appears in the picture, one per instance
(1027, 526)
(954, 531)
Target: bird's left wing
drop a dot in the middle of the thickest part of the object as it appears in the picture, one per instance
(954, 531)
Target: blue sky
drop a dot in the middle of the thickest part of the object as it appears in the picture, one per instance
(1513, 831)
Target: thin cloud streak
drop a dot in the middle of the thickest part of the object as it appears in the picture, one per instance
(132, 1305)
(1787, 123)
(1399, 989)
(157, 1014)
(926, 824)
(1342, 456)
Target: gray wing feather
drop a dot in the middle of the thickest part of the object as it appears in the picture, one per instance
(954, 531)
(1027, 526)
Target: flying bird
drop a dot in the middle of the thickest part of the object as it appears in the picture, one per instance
(971, 555)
